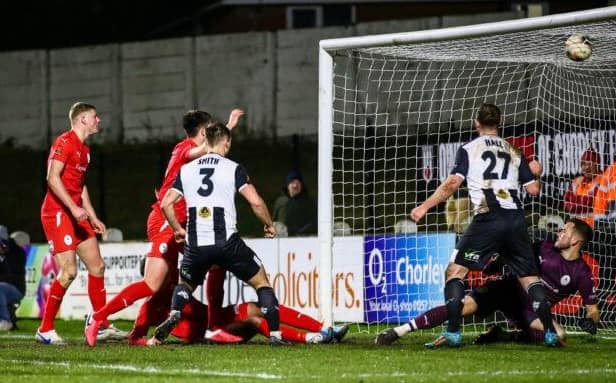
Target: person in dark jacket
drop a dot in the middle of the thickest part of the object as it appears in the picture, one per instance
(12, 279)
(295, 208)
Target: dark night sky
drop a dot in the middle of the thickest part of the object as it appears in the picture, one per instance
(30, 24)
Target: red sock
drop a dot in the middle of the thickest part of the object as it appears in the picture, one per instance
(215, 293)
(263, 327)
(97, 292)
(195, 311)
(152, 312)
(126, 297)
(292, 335)
(54, 300)
(189, 330)
(296, 319)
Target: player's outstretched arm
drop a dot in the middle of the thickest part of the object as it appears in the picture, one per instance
(234, 118)
(98, 226)
(204, 148)
(166, 205)
(259, 208)
(57, 187)
(440, 195)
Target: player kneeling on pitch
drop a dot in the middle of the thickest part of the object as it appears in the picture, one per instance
(208, 185)
(563, 273)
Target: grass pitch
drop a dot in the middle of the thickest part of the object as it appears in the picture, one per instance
(585, 359)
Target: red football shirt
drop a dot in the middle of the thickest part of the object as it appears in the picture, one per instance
(179, 157)
(75, 155)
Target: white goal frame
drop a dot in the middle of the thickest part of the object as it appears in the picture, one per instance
(327, 48)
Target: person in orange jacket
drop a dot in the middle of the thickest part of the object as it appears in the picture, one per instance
(580, 198)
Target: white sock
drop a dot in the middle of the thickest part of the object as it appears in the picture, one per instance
(403, 330)
(276, 334)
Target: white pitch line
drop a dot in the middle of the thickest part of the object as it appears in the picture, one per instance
(148, 370)
(16, 336)
(266, 376)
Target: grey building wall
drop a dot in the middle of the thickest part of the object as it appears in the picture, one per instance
(142, 89)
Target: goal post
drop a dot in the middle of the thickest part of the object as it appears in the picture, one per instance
(393, 109)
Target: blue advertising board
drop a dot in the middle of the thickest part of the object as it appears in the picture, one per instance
(404, 275)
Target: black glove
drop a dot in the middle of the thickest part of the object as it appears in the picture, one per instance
(588, 325)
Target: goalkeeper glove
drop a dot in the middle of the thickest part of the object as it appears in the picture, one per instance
(588, 325)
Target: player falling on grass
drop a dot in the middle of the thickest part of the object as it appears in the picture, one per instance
(563, 273)
(162, 258)
(493, 170)
(245, 320)
(70, 222)
(208, 185)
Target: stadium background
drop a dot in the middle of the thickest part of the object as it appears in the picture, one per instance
(142, 88)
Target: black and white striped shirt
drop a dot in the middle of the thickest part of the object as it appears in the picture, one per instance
(208, 185)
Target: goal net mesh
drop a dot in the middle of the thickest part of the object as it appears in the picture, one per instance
(401, 112)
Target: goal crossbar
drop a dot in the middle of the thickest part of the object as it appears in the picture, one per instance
(327, 51)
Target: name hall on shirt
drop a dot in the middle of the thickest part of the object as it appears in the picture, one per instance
(490, 142)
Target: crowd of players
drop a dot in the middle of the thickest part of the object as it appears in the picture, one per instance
(195, 214)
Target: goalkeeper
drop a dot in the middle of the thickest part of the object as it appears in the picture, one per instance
(563, 273)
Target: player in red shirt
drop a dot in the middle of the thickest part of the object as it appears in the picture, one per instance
(162, 258)
(70, 222)
(243, 320)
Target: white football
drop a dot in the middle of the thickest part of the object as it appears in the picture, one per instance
(578, 48)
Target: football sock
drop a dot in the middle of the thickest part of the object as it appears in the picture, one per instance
(434, 317)
(296, 319)
(126, 297)
(294, 335)
(195, 311)
(215, 293)
(269, 307)
(541, 305)
(181, 296)
(454, 293)
(54, 300)
(97, 292)
(152, 312)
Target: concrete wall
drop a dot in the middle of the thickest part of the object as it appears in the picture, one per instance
(86, 74)
(23, 101)
(157, 87)
(142, 89)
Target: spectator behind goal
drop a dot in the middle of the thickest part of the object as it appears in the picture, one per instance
(12, 279)
(579, 198)
(295, 208)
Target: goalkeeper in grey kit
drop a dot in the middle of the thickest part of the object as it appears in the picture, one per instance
(493, 170)
(563, 272)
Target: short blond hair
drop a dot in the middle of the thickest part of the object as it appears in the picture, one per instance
(78, 108)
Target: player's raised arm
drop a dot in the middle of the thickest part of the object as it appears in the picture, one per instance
(234, 118)
(204, 148)
(259, 208)
(529, 176)
(57, 187)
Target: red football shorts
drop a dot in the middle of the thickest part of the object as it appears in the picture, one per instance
(64, 233)
(161, 238)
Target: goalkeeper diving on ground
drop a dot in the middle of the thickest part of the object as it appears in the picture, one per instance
(563, 273)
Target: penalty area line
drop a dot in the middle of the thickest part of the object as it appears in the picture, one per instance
(148, 370)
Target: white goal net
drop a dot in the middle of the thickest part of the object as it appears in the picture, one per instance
(399, 111)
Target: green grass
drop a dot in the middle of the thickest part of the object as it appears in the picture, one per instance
(357, 360)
